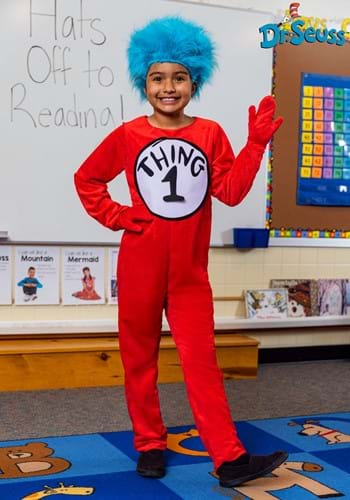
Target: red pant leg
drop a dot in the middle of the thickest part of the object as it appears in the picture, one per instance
(141, 291)
(190, 315)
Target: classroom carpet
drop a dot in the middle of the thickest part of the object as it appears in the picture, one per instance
(102, 466)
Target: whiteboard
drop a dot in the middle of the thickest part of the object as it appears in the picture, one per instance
(64, 87)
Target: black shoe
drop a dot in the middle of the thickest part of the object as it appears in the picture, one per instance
(233, 473)
(151, 464)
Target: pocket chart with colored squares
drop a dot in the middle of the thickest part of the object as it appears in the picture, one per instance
(324, 141)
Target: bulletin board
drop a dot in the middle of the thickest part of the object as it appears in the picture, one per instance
(301, 162)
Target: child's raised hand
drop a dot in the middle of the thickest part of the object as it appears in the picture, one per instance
(261, 123)
(130, 217)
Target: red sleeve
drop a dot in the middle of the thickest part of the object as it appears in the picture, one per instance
(102, 166)
(232, 177)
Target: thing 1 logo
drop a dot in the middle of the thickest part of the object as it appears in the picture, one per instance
(172, 177)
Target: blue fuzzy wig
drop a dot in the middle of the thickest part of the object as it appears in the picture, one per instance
(175, 40)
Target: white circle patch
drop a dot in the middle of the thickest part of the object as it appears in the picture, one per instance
(172, 177)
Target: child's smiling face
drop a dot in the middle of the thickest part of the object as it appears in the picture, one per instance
(169, 88)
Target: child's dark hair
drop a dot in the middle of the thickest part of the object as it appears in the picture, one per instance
(86, 269)
(31, 268)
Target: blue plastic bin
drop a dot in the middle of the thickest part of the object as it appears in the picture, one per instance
(247, 237)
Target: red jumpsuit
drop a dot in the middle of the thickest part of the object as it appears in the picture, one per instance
(171, 175)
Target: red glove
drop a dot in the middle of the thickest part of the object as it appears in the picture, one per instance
(130, 216)
(261, 124)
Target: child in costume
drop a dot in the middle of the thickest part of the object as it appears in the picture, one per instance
(174, 163)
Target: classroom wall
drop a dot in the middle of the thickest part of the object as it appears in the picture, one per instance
(232, 271)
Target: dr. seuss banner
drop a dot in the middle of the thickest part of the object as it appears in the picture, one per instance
(36, 275)
(5, 275)
(112, 276)
(83, 276)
